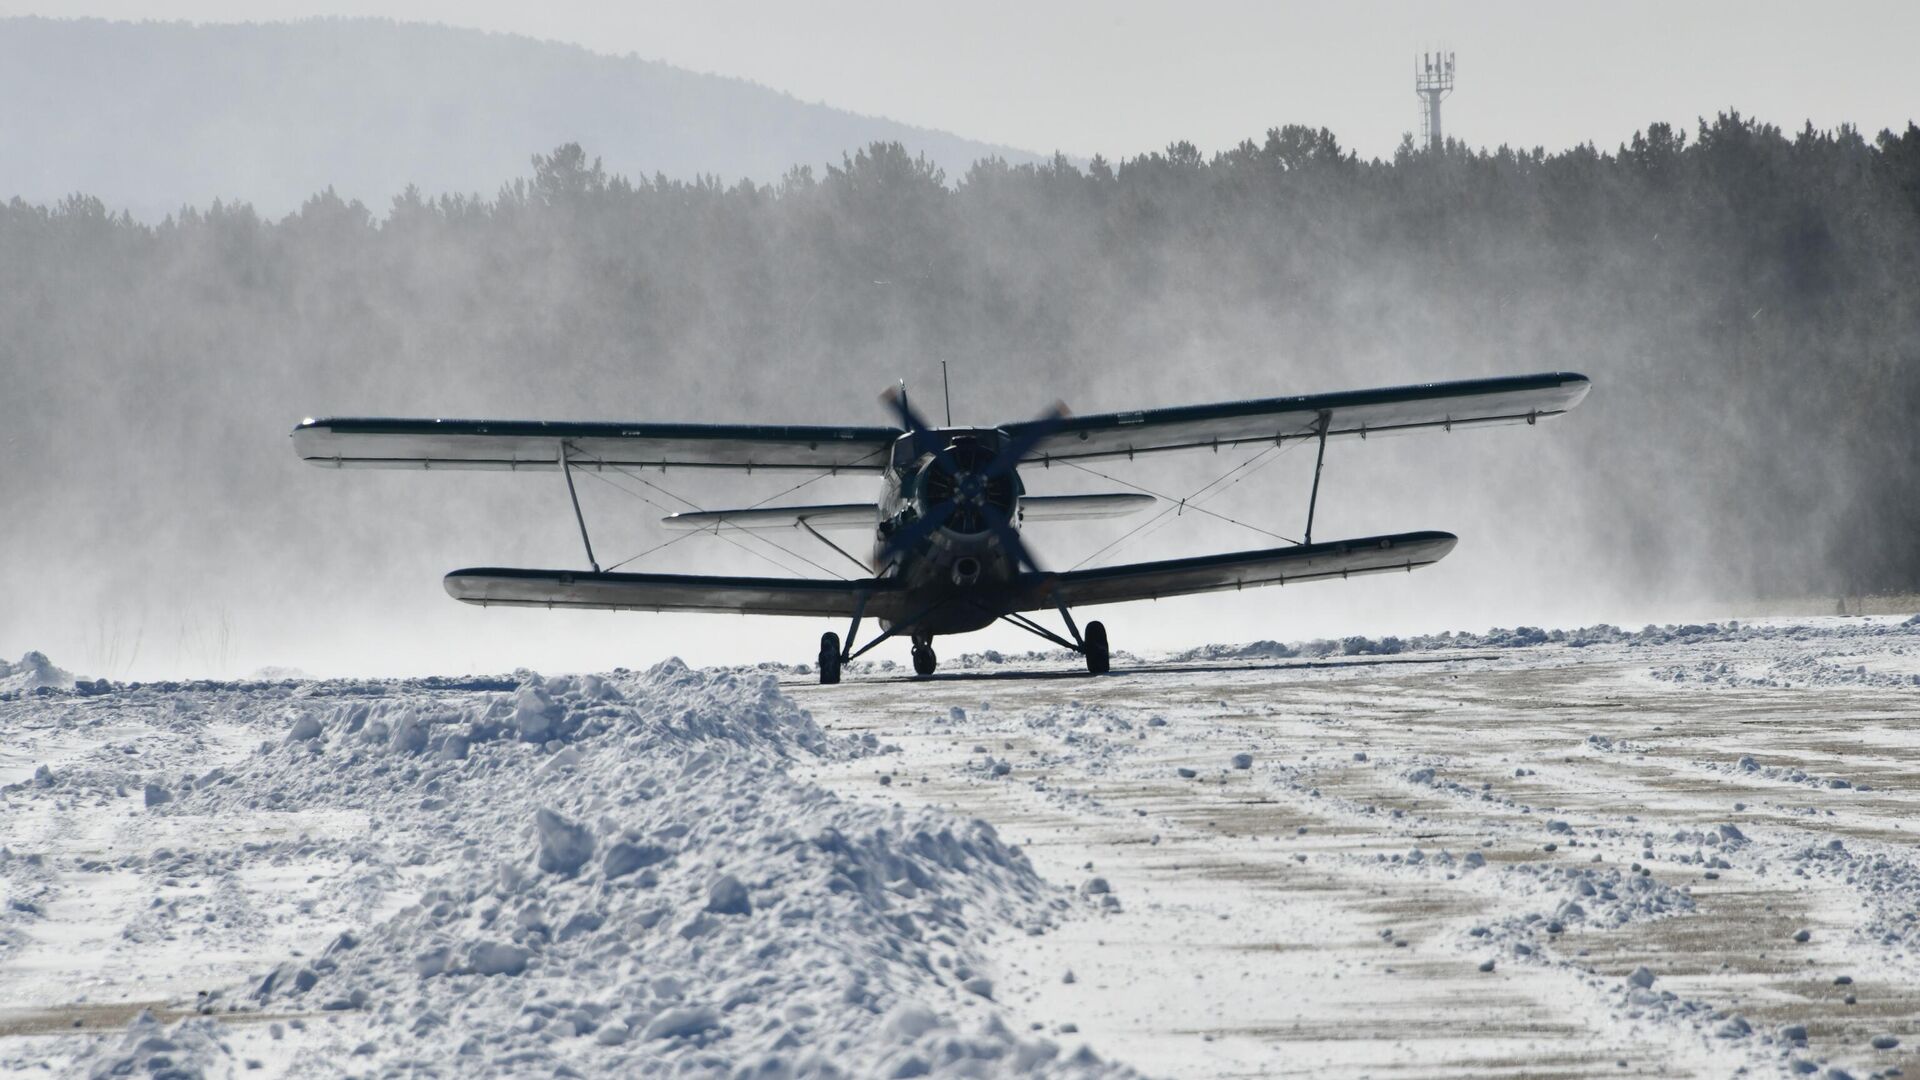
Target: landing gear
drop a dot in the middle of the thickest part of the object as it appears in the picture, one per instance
(829, 659)
(1095, 646)
(923, 659)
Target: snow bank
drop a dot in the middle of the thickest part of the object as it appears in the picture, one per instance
(618, 876)
(32, 672)
(1524, 637)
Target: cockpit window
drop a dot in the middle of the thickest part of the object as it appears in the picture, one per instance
(903, 453)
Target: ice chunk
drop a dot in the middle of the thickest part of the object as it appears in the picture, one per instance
(727, 896)
(612, 1034)
(564, 846)
(908, 1021)
(676, 1023)
(533, 714)
(497, 958)
(432, 962)
(624, 858)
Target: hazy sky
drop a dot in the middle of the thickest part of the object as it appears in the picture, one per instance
(1120, 78)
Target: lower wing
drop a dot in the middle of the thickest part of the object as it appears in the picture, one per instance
(487, 586)
(1236, 570)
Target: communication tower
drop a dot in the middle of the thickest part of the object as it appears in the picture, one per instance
(1433, 81)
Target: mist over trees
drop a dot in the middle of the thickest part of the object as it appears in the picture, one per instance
(1744, 299)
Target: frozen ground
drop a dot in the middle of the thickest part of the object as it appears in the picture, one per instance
(1673, 852)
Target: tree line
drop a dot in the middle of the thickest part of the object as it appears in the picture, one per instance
(1745, 299)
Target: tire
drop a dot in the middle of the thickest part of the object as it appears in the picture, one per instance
(1096, 644)
(924, 662)
(829, 659)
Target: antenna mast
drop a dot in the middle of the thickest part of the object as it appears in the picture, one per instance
(946, 392)
(1432, 81)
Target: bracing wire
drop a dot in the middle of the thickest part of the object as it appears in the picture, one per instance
(816, 478)
(729, 539)
(602, 463)
(649, 551)
(1165, 521)
(716, 531)
(1177, 506)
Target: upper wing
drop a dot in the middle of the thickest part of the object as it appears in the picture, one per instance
(1237, 570)
(670, 592)
(377, 443)
(1512, 399)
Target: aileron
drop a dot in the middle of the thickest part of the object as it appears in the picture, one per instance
(516, 587)
(1240, 570)
(1521, 399)
(514, 445)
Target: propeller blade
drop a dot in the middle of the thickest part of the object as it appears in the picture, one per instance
(924, 441)
(1046, 424)
(910, 537)
(896, 399)
(1010, 538)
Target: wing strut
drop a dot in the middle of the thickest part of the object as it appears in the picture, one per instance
(1319, 459)
(566, 470)
(807, 525)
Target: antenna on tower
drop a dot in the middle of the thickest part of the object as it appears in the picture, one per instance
(1432, 81)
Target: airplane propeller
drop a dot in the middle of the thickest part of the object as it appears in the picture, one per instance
(1001, 466)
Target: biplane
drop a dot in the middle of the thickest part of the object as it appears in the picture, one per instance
(947, 555)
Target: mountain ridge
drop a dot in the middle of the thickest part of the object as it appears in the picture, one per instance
(152, 116)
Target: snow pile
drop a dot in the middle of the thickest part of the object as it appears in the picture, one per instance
(26, 888)
(1886, 876)
(1593, 896)
(615, 876)
(32, 672)
(1751, 768)
(189, 1049)
(1497, 638)
(1524, 637)
(1798, 668)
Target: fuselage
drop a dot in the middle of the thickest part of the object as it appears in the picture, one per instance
(960, 572)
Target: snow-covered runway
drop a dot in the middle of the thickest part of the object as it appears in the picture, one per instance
(1562, 815)
(1681, 851)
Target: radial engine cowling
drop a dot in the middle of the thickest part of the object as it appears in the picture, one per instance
(962, 477)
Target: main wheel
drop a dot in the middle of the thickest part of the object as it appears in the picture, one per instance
(1096, 644)
(923, 659)
(829, 658)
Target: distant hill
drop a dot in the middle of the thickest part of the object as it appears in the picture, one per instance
(152, 116)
